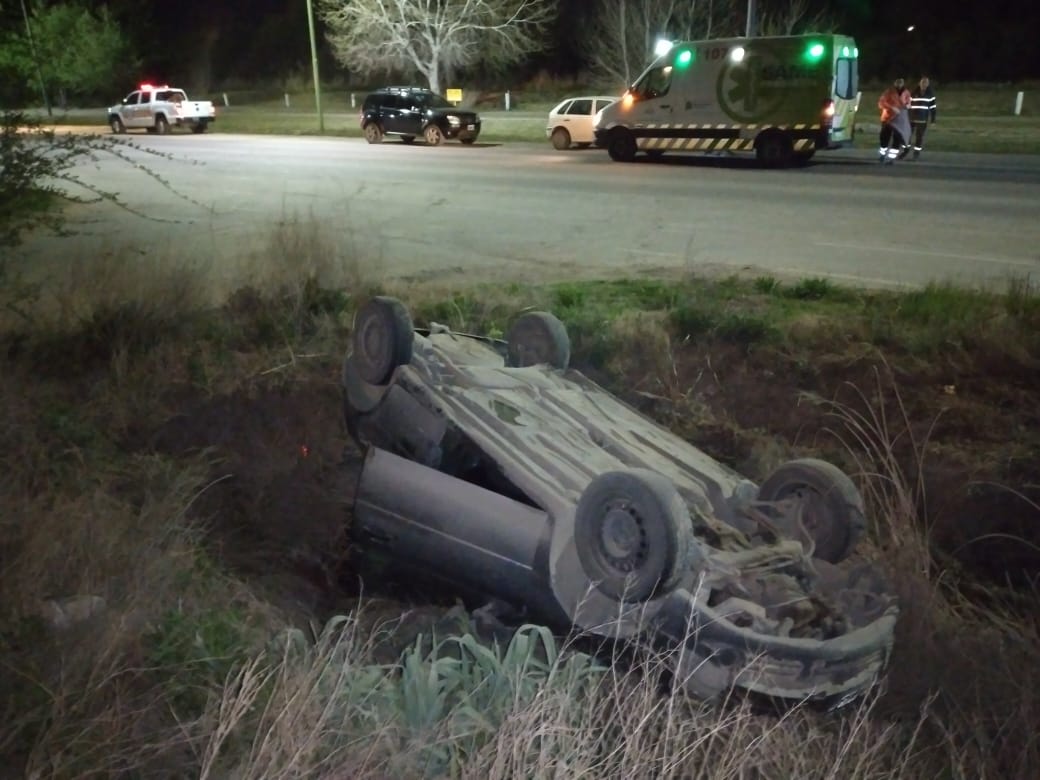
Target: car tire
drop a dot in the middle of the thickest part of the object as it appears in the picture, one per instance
(433, 135)
(468, 141)
(199, 127)
(382, 340)
(373, 133)
(774, 149)
(833, 516)
(162, 127)
(633, 534)
(621, 145)
(561, 139)
(117, 125)
(538, 338)
(407, 139)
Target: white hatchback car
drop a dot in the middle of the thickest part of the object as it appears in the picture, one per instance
(574, 119)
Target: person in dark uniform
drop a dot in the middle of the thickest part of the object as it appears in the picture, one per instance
(922, 112)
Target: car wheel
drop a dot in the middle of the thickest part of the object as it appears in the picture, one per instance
(621, 145)
(773, 149)
(468, 141)
(538, 338)
(382, 340)
(561, 139)
(199, 127)
(407, 139)
(433, 135)
(831, 515)
(117, 125)
(373, 133)
(162, 127)
(633, 534)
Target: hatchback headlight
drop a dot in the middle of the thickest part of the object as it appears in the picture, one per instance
(454, 121)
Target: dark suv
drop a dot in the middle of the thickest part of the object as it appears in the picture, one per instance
(411, 111)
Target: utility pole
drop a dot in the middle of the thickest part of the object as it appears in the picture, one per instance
(314, 67)
(36, 61)
(752, 22)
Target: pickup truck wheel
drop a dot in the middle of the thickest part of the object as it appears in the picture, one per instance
(633, 534)
(407, 139)
(162, 127)
(561, 139)
(382, 340)
(199, 127)
(831, 509)
(433, 135)
(621, 145)
(373, 133)
(117, 125)
(538, 338)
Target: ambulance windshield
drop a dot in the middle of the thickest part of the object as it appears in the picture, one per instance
(654, 83)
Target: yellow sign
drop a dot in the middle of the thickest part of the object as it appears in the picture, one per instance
(454, 95)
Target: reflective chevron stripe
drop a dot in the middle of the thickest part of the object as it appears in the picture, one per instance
(717, 138)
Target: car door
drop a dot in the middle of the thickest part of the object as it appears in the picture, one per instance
(128, 109)
(578, 120)
(143, 112)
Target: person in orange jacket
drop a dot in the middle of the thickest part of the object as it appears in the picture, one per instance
(894, 104)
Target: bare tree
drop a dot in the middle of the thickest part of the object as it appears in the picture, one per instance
(618, 39)
(434, 37)
(794, 17)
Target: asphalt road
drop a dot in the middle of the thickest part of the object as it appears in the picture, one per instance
(525, 211)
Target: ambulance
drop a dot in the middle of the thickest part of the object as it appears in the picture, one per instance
(782, 98)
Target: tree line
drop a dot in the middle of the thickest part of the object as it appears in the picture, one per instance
(80, 50)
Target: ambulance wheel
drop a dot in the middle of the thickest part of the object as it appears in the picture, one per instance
(773, 149)
(831, 508)
(803, 156)
(382, 340)
(561, 139)
(633, 534)
(373, 133)
(621, 146)
(538, 338)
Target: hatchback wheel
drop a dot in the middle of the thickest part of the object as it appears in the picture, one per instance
(561, 139)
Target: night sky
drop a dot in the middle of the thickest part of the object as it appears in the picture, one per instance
(208, 43)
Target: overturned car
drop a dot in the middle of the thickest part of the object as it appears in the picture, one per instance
(491, 466)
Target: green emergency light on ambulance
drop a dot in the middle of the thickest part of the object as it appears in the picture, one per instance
(782, 98)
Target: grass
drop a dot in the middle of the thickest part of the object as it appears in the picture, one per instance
(151, 468)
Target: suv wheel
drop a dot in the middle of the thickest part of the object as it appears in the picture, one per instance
(433, 135)
(373, 133)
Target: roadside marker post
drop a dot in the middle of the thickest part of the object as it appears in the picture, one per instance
(1018, 103)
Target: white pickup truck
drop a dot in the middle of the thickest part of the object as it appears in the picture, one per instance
(157, 109)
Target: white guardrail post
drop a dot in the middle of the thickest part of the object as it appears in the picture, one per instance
(1018, 103)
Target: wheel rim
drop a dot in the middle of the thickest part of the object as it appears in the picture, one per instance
(433, 135)
(622, 537)
(372, 133)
